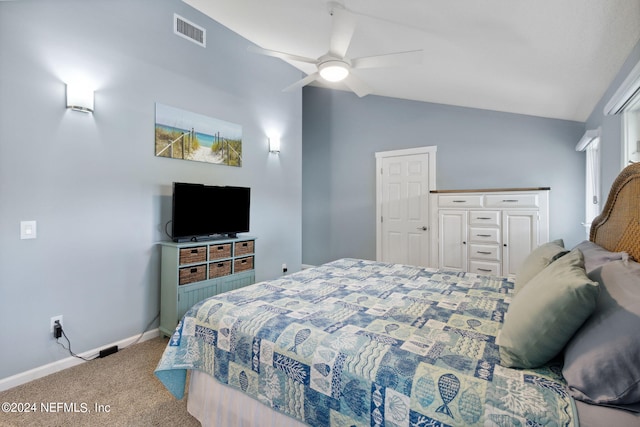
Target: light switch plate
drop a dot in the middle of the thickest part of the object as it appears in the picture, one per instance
(28, 230)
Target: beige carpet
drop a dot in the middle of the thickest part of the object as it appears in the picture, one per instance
(122, 384)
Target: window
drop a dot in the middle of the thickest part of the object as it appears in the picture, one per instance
(626, 102)
(590, 144)
(631, 136)
(593, 181)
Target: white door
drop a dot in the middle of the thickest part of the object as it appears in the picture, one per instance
(519, 238)
(452, 226)
(405, 179)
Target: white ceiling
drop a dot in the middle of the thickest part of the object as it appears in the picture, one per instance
(548, 58)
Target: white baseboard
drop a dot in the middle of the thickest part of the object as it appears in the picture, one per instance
(50, 368)
(305, 266)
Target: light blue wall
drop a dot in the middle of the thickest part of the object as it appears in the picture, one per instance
(101, 198)
(99, 195)
(611, 126)
(476, 149)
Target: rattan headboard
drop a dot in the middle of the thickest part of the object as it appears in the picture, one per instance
(617, 228)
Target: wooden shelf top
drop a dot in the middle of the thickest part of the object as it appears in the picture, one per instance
(492, 190)
(210, 241)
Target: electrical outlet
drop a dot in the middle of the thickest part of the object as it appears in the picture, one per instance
(53, 322)
(284, 268)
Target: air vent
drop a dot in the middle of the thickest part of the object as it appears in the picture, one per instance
(189, 30)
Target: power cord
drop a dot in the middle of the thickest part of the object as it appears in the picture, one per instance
(58, 325)
(145, 330)
(166, 226)
(59, 331)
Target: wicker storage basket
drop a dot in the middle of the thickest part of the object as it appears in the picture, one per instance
(242, 264)
(243, 248)
(193, 255)
(219, 269)
(192, 274)
(219, 251)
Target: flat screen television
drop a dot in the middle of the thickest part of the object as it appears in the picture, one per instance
(202, 212)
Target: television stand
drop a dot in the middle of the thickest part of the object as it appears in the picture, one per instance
(194, 270)
(197, 239)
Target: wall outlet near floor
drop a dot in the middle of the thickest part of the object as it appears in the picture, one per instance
(53, 322)
(284, 268)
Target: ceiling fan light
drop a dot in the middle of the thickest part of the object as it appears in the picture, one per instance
(333, 71)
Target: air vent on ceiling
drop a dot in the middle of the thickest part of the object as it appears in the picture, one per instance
(189, 30)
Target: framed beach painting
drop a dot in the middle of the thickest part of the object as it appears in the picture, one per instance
(185, 135)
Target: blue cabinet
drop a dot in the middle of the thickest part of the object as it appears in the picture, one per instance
(193, 271)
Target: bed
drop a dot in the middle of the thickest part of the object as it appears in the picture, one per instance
(358, 342)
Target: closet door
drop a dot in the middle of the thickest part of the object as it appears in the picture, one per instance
(520, 230)
(404, 181)
(452, 228)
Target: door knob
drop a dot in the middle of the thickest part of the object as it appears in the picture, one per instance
(423, 228)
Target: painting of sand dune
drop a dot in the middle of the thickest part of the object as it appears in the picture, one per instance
(181, 134)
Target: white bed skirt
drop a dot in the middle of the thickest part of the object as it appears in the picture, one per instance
(217, 405)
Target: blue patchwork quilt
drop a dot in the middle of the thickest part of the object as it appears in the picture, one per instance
(365, 343)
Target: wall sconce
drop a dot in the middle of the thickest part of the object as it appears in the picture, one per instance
(80, 97)
(274, 144)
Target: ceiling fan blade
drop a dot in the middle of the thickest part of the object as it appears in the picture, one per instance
(281, 55)
(359, 87)
(300, 83)
(399, 59)
(342, 29)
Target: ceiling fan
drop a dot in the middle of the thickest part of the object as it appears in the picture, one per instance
(335, 66)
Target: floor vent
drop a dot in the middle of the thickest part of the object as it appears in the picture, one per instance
(189, 30)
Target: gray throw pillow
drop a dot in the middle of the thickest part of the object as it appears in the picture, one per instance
(596, 256)
(602, 360)
(536, 261)
(545, 314)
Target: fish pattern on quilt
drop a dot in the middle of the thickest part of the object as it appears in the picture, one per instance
(365, 343)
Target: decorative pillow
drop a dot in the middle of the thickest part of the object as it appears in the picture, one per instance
(545, 314)
(595, 255)
(630, 240)
(602, 360)
(536, 261)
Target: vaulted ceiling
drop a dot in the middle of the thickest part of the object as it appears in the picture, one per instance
(545, 58)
